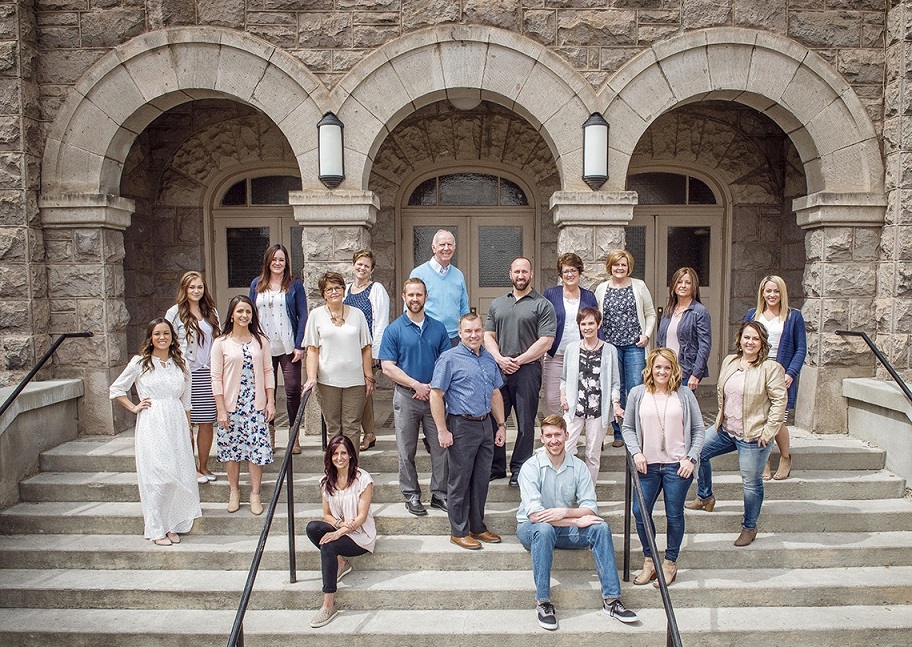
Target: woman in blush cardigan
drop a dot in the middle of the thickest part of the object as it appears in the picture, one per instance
(788, 346)
(244, 388)
(629, 318)
(567, 298)
(686, 328)
(281, 307)
(664, 433)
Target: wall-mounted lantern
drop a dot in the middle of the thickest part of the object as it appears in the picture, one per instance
(595, 151)
(329, 138)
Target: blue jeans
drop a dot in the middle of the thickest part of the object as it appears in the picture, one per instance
(542, 538)
(751, 459)
(663, 477)
(631, 362)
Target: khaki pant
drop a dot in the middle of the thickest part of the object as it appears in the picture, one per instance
(342, 409)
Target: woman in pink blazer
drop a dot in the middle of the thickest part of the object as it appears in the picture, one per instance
(243, 384)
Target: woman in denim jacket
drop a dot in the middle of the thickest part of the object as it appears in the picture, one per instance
(690, 325)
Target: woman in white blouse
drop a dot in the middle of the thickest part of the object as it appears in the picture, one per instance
(371, 298)
(347, 528)
(339, 359)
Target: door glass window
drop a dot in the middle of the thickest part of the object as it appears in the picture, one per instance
(636, 245)
(236, 195)
(244, 253)
(670, 188)
(497, 247)
(425, 194)
(273, 189)
(698, 192)
(475, 189)
(689, 247)
(511, 195)
(423, 236)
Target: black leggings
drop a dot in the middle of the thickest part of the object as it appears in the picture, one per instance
(329, 552)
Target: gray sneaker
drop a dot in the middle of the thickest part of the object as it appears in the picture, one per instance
(546, 618)
(616, 609)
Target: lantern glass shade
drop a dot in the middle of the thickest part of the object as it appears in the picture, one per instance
(595, 151)
(332, 169)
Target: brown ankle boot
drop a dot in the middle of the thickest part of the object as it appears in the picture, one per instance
(272, 437)
(746, 537)
(647, 574)
(702, 504)
(785, 468)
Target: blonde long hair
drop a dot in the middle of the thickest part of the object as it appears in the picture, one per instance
(783, 297)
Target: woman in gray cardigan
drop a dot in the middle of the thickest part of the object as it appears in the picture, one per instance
(663, 430)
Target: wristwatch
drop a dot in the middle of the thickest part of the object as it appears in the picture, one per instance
(501, 424)
(692, 460)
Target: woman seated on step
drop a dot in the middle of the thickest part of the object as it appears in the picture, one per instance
(347, 528)
(165, 468)
(751, 394)
(663, 430)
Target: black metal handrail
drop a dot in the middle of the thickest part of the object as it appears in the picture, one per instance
(286, 472)
(632, 483)
(880, 357)
(38, 365)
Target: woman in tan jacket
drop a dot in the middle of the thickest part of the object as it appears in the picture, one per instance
(752, 396)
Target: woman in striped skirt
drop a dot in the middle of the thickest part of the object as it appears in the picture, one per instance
(196, 321)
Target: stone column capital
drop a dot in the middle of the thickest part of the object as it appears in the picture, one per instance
(334, 208)
(85, 210)
(826, 209)
(600, 208)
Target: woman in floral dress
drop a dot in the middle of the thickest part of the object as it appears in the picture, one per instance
(244, 389)
(164, 456)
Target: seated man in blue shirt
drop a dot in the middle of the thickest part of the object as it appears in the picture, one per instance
(550, 482)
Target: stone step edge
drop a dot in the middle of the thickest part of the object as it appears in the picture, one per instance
(508, 627)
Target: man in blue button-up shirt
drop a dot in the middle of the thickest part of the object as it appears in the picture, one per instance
(558, 510)
(410, 347)
(465, 392)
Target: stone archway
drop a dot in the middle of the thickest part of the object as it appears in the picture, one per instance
(464, 62)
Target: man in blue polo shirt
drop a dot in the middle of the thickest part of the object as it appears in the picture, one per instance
(410, 347)
(465, 392)
(558, 510)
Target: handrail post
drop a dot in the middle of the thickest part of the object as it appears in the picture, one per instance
(289, 491)
(627, 508)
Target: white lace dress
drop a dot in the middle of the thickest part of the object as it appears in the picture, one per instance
(165, 467)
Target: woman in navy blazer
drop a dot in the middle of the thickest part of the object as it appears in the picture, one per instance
(788, 346)
(281, 306)
(567, 300)
(690, 320)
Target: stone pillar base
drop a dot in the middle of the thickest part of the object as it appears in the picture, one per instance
(821, 407)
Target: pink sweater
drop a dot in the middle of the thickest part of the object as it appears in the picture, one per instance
(226, 362)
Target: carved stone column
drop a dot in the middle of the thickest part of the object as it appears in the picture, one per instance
(83, 240)
(335, 225)
(591, 224)
(840, 284)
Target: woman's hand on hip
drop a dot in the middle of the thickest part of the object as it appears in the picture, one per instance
(685, 468)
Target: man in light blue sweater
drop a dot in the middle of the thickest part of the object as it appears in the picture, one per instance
(447, 297)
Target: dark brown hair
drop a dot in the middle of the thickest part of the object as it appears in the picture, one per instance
(287, 279)
(329, 468)
(764, 341)
(253, 326)
(146, 348)
(673, 296)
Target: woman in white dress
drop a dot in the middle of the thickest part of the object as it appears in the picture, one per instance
(196, 323)
(164, 455)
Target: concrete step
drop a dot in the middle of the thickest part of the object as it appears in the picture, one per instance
(851, 626)
(443, 589)
(393, 519)
(234, 552)
(107, 454)
(803, 484)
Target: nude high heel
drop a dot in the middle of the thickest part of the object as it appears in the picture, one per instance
(647, 574)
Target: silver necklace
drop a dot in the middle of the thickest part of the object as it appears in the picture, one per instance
(661, 418)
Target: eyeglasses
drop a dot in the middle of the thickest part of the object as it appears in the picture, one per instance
(333, 288)
(569, 272)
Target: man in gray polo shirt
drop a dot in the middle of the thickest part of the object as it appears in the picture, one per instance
(520, 328)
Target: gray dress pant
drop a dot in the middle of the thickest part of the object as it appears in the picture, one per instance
(470, 458)
(408, 414)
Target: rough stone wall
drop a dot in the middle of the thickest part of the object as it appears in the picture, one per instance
(595, 36)
(24, 313)
(439, 134)
(754, 158)
(168, 171)
(893, 305)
